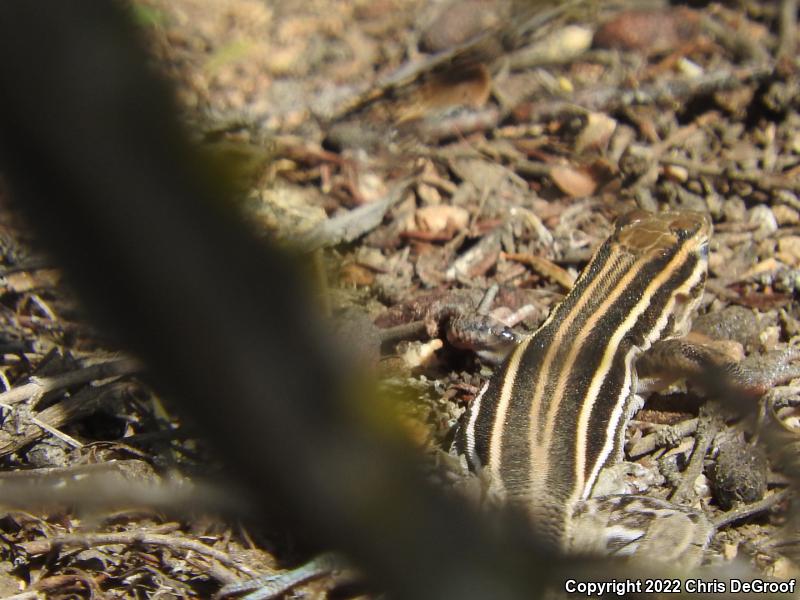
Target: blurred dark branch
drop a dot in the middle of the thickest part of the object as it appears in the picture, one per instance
(91, 149)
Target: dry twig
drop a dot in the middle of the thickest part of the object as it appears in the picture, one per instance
(133, 538)
(39, 386)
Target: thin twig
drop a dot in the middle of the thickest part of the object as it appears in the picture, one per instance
(42, 385)
(30, 595)
(266, 587)
(787, 38)
(488, 298)
(78, 406)
(750, 509)
(131, 538)
(608, 98)
(114, 486)
(57, 433)
(659, 438)
(706, 430)
(402, 332)
(411, 71)
(762, 180)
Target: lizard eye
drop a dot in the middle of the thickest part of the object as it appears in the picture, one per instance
(507, 335)
(703, 250)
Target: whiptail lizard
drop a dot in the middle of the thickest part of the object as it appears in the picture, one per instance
(554, 415)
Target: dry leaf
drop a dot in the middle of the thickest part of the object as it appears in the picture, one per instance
(464, 87)
(650, 31)
(573, 181)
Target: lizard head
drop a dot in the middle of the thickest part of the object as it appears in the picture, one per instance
(673, 248)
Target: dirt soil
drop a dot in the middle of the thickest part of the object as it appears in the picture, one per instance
(423, 152)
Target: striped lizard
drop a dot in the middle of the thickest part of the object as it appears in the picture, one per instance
(554, 415)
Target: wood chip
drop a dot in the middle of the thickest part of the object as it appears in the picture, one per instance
(789, 250)
(596, 134)
(545, 267)
(436, 219)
